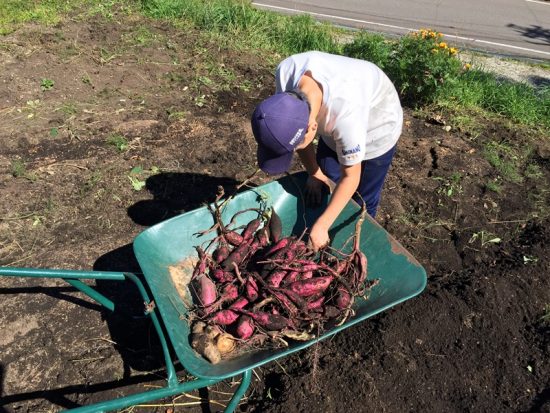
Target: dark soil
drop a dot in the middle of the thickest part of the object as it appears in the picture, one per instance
(177, 104)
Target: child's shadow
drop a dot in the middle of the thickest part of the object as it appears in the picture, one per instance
(175, 193)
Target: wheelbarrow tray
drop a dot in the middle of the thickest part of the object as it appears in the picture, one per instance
(172, 242)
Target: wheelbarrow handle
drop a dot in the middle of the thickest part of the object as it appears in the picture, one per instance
(64, 274)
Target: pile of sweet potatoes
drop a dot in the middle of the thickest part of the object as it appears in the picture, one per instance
(258, 288)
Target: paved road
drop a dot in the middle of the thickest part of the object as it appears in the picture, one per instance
(508, 27)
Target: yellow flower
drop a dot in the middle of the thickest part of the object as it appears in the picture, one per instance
(443, 45)
(453, 51)
(467, 66)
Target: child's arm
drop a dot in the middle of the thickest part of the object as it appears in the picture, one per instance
(350, 177)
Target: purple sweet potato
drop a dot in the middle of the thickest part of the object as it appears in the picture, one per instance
(272, 322)
(286, 302)
(239, 304)
(275, 227)
(251, 228)
(312, 286)
(202, 264)
(221, 253)
(291, 277)
(204, 290)
(276, 277)
(306, 275)
(230, 292)
(282, 243)
(225, 317)
(251, 289)
(245, 327)
(316, 304)
(342, 298)
(237, 256)
(233, 238)
(222, 276)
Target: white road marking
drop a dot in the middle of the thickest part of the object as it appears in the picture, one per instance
(509, 46)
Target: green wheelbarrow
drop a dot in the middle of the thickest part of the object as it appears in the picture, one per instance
(171, 243)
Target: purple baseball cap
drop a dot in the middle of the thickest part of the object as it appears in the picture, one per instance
(279, 124)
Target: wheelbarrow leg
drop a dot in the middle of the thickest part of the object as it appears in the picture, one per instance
(245, 382)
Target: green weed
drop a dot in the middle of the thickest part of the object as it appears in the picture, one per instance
(118, 141)
(484, 238)
(69, 109)
(450, 186)
(46, 84)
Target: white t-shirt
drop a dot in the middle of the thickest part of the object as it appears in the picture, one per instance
(360, 116)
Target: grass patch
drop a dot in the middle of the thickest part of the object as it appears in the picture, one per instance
(19, 170)
(422, 66)
(505, 159)
(494, 186)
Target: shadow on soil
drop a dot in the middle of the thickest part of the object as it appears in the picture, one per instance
(174, 193)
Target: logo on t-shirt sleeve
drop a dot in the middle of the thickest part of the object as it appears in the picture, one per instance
(351, 154)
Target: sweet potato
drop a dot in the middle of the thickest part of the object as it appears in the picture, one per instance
(220, 254)
(203, 343)
(312, 286)
(316, 304)
(275, 227)
(291, 277)
(286, 303)
(233, 238)
(295, 298)
(342, 298)
(202, 264)
(225, 344)
(251, 228)
(230, 292)
(276, 277)
(239, 304)
(237, 256)
(272, 322)
(245, 327)
(251, 289)
(222, 276)
(282, 243)
(204, 291)
(306, 275)
(224, 317)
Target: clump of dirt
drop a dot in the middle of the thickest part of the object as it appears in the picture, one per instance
(143, 122)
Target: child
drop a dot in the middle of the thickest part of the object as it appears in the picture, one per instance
(353, 107)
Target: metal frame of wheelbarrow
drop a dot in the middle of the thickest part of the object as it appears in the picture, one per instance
(174, 386)
(172, 243)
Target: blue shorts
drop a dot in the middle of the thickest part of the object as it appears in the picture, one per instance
(373, 174)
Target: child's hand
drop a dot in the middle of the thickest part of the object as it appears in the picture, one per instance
(318, 237)
(315, 186)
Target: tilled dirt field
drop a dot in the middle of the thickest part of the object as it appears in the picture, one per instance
(142, 122)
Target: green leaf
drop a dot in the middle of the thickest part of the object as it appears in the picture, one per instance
(136, 170)
(137, 184)
(54, 132)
